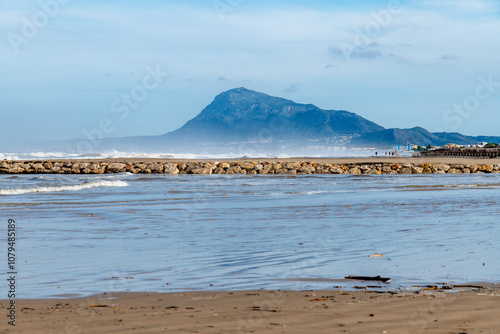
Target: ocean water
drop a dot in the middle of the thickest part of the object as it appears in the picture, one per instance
(82, 234)
(318, 152)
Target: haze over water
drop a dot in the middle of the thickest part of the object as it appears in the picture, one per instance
(85, 234)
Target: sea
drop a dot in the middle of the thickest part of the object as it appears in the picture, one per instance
(77, 235)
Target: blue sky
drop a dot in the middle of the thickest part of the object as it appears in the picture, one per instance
(434, 64)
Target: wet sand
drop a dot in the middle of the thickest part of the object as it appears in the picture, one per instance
(264, 312)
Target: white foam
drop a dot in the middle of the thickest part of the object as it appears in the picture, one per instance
(315, 192)
(321, 152)
(77, 187)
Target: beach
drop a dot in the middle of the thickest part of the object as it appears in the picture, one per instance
(263, 311)
(227, 254)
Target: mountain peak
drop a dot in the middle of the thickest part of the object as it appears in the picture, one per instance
(239, 90)
(241, 114)
(243, 103)
(244, 95)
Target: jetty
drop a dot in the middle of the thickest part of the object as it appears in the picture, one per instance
(464, 152)
(291, 166)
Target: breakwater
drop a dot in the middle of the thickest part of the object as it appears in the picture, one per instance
(239, 167)
(464, 152)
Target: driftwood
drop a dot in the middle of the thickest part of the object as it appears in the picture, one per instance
(434, 287)
(367, 287)
(368, 278)
(468, 286)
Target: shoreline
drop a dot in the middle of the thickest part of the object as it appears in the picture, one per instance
(265, 311)
(371, 165)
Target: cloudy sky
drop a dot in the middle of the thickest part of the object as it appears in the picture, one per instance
(145, 68)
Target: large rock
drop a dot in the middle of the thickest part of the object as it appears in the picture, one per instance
(219, 170)
(82, 165)
(417, 170)
(247, 165)
(5, 167)
(354, 170)
(38, 167)
(266, 169)
(75, 169)
(155, 168)
(405, 170)
(427, 170)
(55, 170)
(292, 165)
(454, 171)
(473, 168)
(116, 167)
(235, 170)
(486, 168)
(386, 169)
(319, 170)
(192, 166)
(336, 170)
(443, 167)
(170, 168)
(204, 170)
(307, 169)
(365, 168)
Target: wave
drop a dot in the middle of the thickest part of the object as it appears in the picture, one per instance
(451, 186)
(187, 155)
(39, 155)
(77, 187)
(298, 193)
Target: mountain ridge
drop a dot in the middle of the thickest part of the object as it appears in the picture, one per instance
(242, 120)
(240, 114)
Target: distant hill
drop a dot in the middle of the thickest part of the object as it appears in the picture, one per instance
(241, 115)
(417, 136)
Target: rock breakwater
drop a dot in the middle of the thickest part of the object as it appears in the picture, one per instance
(237, 167)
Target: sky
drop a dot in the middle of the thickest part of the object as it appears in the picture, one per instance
(71, 69)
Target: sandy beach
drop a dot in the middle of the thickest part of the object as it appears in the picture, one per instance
(470, 311)
(267, 311)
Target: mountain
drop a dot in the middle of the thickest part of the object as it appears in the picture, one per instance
(241, 115)
(397, 136)
(241, 121)
(416, 136)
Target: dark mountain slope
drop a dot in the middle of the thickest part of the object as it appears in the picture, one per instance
(241, 114)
